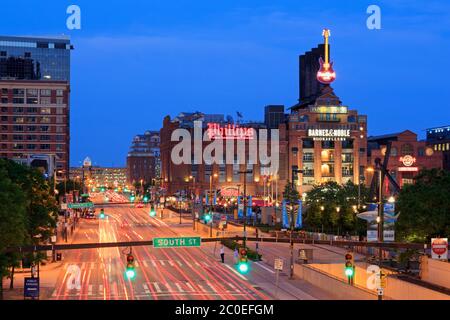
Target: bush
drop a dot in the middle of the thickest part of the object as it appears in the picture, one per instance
(233, 244)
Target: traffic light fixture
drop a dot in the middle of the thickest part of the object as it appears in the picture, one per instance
(130, 273)
(243, 266)
(152, 211)
(102, 214)
(349, 267)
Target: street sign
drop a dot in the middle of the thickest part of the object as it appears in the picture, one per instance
(176, 242)
(278, 264)
(439, 248)
(80, 205)
(31, 287)
(380, 291)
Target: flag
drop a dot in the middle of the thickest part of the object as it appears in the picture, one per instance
(285, 219)
(299, 222)
(240, 211)
(249, 207)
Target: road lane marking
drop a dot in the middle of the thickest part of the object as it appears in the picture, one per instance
(162, 262)
(264, 267)
(179, 263)
(169, 287)
(136, 263)
(153, 263)
(179, 287)
(212, 287)
(146, 289)
(201, 287)
(198, 264)
(157, 288)
(54, 293)
(145, 263)
(237, 273)
(171, 263)
(188, 264)
(190, 286)
(90, 290)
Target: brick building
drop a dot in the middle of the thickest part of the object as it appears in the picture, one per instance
(407, 157)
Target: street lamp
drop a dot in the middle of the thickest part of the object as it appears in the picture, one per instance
(215, 175)
(245, 172)
(193, 195)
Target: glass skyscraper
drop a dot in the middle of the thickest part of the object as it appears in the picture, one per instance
(35, 58)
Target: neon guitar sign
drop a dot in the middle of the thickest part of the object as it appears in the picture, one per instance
(326, 74)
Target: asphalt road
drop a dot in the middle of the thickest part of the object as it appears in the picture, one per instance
(175, 273)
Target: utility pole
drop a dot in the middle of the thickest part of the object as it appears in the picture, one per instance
(380, 213)
(245, 203)
(291, 272)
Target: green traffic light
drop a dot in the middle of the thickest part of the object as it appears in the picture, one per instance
(145, 199)
(243, 267)
(207, 217)
(102, 215)
(349, 272)
(152, 212)
(130, 274)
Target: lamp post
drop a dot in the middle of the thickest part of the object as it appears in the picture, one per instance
(245, 202)
(291, 240)
(193, 195)
(211, 202)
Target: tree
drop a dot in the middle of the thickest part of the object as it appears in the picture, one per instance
(12, 222)
(333, 207)
(424, 207)
(28, 211)
(291, 196)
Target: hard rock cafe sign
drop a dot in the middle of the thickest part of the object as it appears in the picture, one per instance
(407, 162)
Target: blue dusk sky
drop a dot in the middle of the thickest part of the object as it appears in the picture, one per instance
(136, 61)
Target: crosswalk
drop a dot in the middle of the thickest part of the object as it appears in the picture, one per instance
(155, 289)
(149, 263)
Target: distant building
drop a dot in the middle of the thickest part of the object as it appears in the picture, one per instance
(95, 176)
(439, 139)
(143, 160)
(407, 157)
(35, 102)
(35, 58)
(274, 115)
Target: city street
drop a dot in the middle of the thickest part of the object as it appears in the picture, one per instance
(178, 273)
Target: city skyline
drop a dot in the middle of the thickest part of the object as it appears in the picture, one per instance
(239, 57)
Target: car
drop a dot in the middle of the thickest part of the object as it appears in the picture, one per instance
(90, 215)
(139, 205)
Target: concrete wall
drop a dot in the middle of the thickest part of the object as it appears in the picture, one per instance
(395, 288)
(331, 284)
(435, 272)
(402, 290)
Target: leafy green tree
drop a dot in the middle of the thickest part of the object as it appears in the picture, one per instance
(12, 222)
(333, 207)
(424, 207)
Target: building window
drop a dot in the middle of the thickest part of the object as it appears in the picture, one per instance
(44, 128)
(308, 157)
(45, 138)
(421, 152)
(407, 149)
(222, 172)
(308, 143)
(32, 100)
(59, 100)
(45, 92)
(59, 92)
(327, 144)
(394, 152)
(18, 100)
(347, 144)
(236, 174)
(351, 119)
(46, 110)
(45, 147)
(32, 92)
(347, 157)
(45, 100)
(45, 119)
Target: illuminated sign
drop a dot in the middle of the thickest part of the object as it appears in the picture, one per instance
(329, 109)
(229, 132)
(408, 160)
(329, 134)
(326, 73)
(408, 169)
(229, 192)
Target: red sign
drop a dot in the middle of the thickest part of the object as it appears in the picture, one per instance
(229, 192)
(229, 132)
(439, 246)
(408, 160)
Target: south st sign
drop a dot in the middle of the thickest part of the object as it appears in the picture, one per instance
(176, 242)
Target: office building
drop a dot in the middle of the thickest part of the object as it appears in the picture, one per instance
(143, 160)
